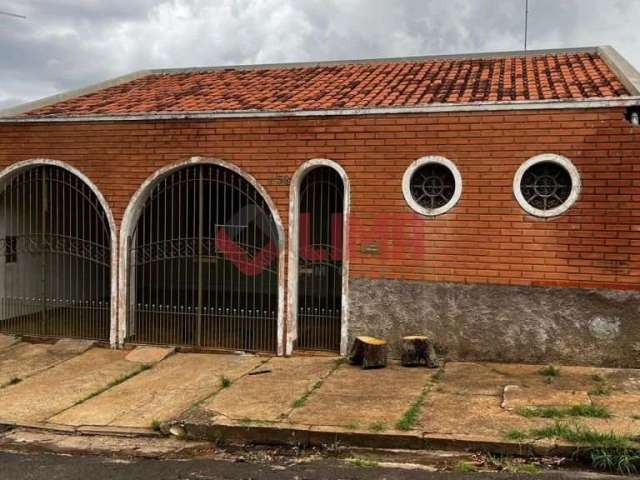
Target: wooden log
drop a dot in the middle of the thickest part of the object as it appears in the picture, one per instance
(369, 352)
(418, 350)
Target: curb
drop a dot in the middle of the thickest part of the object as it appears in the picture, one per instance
(226, 431)
(6, 426)
(236, 433)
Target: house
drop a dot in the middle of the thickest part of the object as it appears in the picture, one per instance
(491, 201)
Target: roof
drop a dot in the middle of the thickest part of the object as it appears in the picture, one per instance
(559, 76)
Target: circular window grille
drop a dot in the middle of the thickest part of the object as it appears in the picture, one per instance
(547, 185)
(432, 185)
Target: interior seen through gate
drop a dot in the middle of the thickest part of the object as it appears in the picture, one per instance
(55, 256)
(320, 253)
(203, 264)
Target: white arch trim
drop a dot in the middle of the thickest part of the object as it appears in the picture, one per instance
(294, 215)
(134, 209)
(15, 168)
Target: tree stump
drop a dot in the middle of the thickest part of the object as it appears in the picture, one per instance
(418, 350)
(369, 352)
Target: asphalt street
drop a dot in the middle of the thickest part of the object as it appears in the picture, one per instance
(34, 466)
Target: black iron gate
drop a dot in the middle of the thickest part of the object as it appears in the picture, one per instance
(55, 257)
(203, 264)
(320, 260)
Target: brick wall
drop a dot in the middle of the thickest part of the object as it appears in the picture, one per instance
(485, 238)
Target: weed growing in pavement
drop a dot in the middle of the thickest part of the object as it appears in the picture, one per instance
(305, 396)
(592, 411)
(114, 383)
(363, 462)
(377, 427)
(510, 465)
(156, 425)
(516, 435)
(549, 371)
(410, 416)
(465, 467)
(601, 387)
(225, 382)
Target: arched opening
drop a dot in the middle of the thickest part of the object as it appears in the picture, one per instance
(203, 262)
(318, 264)
(55, 254)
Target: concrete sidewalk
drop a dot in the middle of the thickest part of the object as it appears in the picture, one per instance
(311, 400)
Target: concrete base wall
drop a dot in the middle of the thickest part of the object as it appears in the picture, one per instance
(502, 323)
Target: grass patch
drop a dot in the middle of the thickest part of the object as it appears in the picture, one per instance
(604, 451)
(156, 425)
(600, 387)
(583, 436)
(377, 427)
(410, 416)
(465, 467)
(516, 435)
(225, 382)
(363, 463)
(623, 461)
(591, 411)
(549, 371)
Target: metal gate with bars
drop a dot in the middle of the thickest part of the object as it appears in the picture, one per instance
(55, 256)
(320, 261)
(203, 264)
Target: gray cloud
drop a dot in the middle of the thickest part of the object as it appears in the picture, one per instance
(66, 44)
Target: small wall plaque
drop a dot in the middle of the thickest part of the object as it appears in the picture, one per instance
(370, 248)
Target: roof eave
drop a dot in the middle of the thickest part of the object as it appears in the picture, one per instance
(431, 108)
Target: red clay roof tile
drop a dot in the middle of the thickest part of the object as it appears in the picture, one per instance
(562, 76)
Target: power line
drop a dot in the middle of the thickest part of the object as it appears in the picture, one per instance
(15, 15)
(526, 23)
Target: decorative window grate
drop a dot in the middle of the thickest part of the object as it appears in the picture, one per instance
(432, 185)
(546, 185)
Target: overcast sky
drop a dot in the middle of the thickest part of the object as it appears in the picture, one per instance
(65, 44)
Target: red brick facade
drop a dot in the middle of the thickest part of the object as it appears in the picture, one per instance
(485, 238)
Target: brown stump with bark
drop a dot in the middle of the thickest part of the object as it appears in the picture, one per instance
(418, 350)
(369, 352)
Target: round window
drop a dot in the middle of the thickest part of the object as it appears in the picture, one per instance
(546, 185)
(432, 185)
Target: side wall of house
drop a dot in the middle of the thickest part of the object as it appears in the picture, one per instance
(486, 280)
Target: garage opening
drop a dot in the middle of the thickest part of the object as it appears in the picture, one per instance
(203, 260)
(320, 260)
(55, 256)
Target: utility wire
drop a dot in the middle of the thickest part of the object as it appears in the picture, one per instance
(526, 23)
(15, 15)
